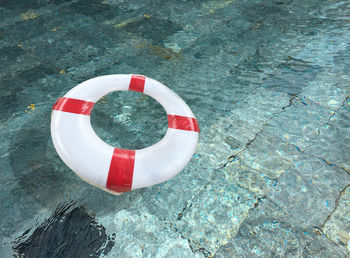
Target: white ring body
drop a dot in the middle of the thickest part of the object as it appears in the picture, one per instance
(89, 157)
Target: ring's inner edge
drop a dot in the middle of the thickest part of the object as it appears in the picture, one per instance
(124, 119)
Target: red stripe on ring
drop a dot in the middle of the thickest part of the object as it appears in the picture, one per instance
(183, 123)
(121, 170)
(137, 83)
(76, 106)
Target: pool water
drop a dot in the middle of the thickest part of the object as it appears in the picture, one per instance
(269, 82)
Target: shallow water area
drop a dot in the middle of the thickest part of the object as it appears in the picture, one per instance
(268, 81)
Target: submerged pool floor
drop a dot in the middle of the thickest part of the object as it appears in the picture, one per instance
(269, 82)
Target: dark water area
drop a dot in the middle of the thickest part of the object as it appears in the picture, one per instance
(69, 232)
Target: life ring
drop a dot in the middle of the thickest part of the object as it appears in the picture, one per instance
(118, 170)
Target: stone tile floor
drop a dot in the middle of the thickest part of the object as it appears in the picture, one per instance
(269, 82)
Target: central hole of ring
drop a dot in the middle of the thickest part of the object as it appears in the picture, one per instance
(129, 120)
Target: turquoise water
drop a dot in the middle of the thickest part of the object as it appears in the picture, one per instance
(269, 84)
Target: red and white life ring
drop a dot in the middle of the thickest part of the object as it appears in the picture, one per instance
(119, 170)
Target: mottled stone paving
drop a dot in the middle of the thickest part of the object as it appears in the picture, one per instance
(269, 82)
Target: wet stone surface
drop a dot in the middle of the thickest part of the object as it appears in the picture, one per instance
(269, 232)
(269, 84)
